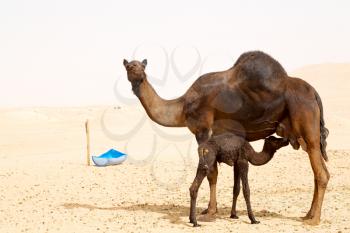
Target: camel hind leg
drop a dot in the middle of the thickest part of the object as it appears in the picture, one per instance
(305, 111)
(311, 212)
(321, 175)
(306, 126)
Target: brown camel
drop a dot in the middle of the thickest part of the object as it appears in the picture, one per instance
(234, 151)
(253, 99)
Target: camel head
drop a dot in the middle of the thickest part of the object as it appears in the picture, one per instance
(135, 70)
(136, 73)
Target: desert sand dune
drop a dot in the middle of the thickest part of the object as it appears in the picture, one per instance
(45, 185)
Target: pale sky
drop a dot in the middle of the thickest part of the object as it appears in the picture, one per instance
(64, 53)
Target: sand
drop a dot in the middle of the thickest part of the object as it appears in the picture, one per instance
(45, 185)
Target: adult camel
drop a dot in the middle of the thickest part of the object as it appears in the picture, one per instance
(255, 98)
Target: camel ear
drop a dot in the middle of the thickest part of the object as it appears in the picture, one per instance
(200, 152)
(125, 62)
(203, 151)
(144, 62)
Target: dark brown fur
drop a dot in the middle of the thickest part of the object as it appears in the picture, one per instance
(253, 99)
(234, 151)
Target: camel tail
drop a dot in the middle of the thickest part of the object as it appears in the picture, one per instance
(323, 130)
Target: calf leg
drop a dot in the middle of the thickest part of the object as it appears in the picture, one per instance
(202, 136)
(194, 192)
(243, 170)
(236, 190)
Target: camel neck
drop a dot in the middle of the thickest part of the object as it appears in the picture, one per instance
(262, 157)
(164, 112)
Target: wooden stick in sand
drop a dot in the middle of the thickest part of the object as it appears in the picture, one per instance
(87, 142)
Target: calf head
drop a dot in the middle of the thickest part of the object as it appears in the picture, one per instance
(273, 144)
(207, 156)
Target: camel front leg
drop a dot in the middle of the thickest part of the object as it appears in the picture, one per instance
(212, 178)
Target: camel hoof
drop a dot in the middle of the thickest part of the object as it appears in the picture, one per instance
(312, 222)
(233, 216)
(207, 218)
(307, 216)
(207, 211)
(196, 225)
(255, 222)
(204, 211)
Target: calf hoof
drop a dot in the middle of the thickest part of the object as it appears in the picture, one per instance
(233, 216)
(196, 225)
(192, 220)
(255, 222)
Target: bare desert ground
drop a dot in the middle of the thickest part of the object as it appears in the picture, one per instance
(45, 185)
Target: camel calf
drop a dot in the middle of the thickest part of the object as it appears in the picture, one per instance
(234, 151)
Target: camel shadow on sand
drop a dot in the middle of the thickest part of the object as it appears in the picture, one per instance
(175, 213)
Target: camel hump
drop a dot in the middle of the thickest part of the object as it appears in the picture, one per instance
(259, 66)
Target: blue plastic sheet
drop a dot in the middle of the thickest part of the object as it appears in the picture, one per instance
(111, 157)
